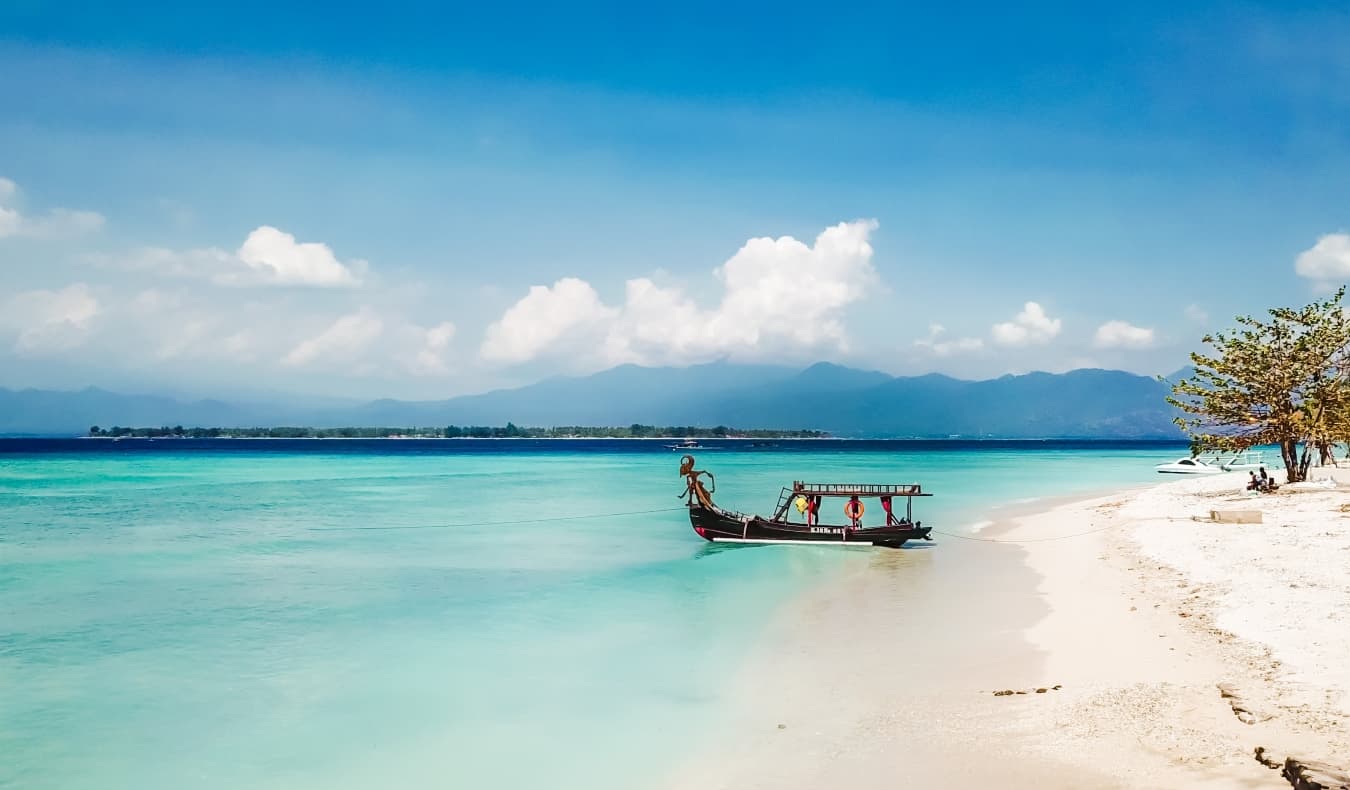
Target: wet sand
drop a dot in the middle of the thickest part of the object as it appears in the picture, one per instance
(886, 676)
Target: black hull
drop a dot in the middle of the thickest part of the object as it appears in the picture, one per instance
(720, 526)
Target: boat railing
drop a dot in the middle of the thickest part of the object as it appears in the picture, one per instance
(857, 489)
(734, 514)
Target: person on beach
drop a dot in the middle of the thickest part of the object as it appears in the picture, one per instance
(1265, 483)
(1253, 484)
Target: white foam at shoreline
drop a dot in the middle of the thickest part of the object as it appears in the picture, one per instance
(980, 526)
(1007, 503)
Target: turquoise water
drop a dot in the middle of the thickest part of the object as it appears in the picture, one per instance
(334, 619)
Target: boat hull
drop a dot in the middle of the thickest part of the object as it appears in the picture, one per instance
(719, 526)
(1163, 471)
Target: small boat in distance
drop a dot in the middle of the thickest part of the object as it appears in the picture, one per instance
(718, 525)
(1189, 466)
(687, 444)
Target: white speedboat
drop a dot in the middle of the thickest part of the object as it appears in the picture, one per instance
(1189, 466)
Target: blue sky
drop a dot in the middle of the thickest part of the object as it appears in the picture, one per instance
(418, 201)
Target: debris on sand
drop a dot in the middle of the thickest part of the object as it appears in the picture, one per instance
(1306, 774)
(1037, 690)
(1237, 703)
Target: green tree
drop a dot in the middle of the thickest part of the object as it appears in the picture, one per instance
(1282, 380)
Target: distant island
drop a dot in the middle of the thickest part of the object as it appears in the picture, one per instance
(843, 402)
(509, 431)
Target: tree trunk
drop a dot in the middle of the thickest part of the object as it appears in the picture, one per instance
(1289, 454)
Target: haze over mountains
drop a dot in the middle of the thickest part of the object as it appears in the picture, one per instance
(843, 401)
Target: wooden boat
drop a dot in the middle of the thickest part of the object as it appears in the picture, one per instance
(803, 501)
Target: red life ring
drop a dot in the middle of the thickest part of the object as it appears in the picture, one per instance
(853, 509)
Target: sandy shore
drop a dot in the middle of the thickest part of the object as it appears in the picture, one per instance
(1167, 650)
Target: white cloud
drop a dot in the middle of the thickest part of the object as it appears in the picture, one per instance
(281, 338)
(10, 220)
(364, 343)
(342, 342)
(55, 224)
(60, 223)
(190, 325)
(154, 300)
(541, 318)
(430, 359)
(189, 338)
(1031, 326)
(268, 256)
(239, 347)
(1327, 261)
(943, 348)
(51, 321)
(276, 257)
(1196, 314)
(778, 294)
(1119, 334)
(203, 263)
(281, 330)
(783, 287)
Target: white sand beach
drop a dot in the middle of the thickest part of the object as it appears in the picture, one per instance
(1143, 649)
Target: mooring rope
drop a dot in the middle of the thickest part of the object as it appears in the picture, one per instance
(501, 523)
(1028, 540)
(548, 519)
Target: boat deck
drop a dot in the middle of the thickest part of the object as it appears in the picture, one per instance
(857, 489)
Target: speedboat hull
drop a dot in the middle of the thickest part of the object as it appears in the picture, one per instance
(1188, 466)
(1168, 470)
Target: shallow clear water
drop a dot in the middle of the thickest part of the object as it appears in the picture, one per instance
(299, 615)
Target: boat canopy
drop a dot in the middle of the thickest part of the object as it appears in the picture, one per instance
(857, 489)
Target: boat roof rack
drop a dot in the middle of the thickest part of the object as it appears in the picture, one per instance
(856, 489)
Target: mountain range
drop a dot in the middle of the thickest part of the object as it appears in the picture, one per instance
(1086, 403)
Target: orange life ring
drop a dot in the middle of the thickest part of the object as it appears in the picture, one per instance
(853, 509)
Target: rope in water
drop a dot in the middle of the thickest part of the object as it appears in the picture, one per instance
(1028, 540)
(501, 523)
(547, 519)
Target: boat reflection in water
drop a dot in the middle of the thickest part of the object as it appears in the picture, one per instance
(719, 525)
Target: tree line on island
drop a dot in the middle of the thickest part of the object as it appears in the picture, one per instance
(509, 431)
(1282, 380)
